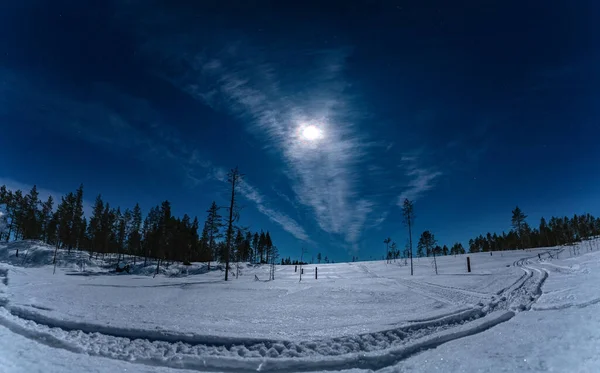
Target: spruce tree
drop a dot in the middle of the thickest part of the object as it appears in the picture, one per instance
(261, 246)
(45, 218)
(214, 223)
(194, 240)
(31, 223)
(77, 219)
(409, 216)
(95, 226)
(255, 247)
(518, 221)
(134, 232)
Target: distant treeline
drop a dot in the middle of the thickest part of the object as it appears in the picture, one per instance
(158, 235)
(556, 231)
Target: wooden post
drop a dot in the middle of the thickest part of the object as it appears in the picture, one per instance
(316, 273)
(295, 269)
(468, 264)
(302, 270)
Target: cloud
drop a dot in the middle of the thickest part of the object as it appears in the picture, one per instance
(135, 127)
(420, 179)
(275, 102)
(252, 194)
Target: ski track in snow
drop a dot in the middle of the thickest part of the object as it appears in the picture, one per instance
(374, 350)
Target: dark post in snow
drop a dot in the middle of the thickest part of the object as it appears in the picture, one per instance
(316, 273)
(301, 260)
(295, 269)
(468, 264)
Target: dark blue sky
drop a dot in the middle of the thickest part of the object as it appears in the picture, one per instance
(468, 108)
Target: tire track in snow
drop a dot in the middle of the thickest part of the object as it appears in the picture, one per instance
(367, 351)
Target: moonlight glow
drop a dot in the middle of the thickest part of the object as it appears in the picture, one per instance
(312, 133)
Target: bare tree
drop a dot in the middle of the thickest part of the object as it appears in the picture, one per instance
(233, 177)
(387, 249)
(409, 217)
(395, 253)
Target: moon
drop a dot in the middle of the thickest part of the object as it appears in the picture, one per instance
(312, 133)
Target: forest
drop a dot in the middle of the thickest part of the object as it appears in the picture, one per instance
(554, 232)
(161, 236)
(110, 230)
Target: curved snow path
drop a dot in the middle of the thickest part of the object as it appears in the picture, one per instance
(366, 351)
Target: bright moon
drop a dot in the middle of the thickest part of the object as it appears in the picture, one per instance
(312, 133)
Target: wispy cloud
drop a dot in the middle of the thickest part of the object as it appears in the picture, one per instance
(252, 194)
(324, 175)
(136, 129)
(420, 179)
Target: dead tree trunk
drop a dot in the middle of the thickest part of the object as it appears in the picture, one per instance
(233, 178)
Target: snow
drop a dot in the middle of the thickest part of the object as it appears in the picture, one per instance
(363, 316)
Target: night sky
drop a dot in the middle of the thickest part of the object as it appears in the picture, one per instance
(334, 111)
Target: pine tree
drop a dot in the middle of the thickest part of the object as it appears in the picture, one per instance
(268, 247)
(213, 226)
(205, 249)
(248, 247)
(5, 201)
(134, 232)
(394, 251)
(122, 223)
(164, 233)
(77, 219)
(95, 226)
(409, 217)
(261, 246)
(194, 240)
(31, 223)
(3, 222)
(387, 248)
(45, 218)
(83, 239)
(517, 221)
(426, 242)
(319, 258)
(255, 240)
(18, 212)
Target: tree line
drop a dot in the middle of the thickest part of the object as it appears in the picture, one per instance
(554, 232)
(110, 230)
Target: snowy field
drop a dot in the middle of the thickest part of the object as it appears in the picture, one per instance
(534, 310)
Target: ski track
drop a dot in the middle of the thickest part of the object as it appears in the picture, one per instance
(374, 350)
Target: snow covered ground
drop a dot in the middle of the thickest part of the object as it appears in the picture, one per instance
(515, 311)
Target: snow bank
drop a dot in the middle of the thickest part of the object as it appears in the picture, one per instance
(367, 316)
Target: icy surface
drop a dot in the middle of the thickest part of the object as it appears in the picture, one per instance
(365, 315)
